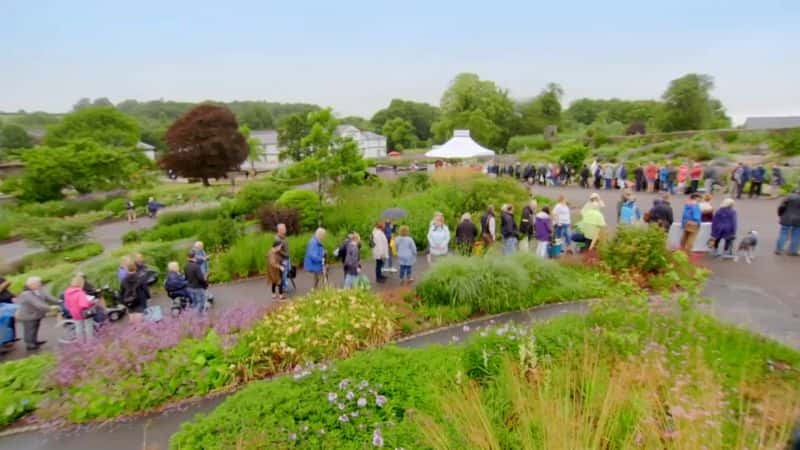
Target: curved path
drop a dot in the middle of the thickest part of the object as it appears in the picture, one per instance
(152, 432)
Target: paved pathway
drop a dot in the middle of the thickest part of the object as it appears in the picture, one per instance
(152, 432)
(762, 296)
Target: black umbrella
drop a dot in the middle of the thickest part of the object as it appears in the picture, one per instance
(394, 213)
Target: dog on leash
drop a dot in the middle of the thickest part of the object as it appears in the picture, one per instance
(747, 247)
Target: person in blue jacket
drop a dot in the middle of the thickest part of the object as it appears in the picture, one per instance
(757, 176)
(314, 261)
(690, 222)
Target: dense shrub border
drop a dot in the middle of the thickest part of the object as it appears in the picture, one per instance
(419, 387)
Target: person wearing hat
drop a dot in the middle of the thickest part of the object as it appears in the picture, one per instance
(196, 282)
(592, 222)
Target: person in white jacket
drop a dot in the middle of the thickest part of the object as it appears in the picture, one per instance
(380, 251)
(438, 237)
(563, 222)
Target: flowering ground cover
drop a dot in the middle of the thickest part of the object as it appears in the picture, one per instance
(633, 374)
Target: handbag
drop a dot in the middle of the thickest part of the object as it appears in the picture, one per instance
(691, 226)
(153, 314)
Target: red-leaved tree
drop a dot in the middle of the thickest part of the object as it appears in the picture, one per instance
(205, 143)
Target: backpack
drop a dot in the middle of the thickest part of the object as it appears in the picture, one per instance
(371, 241)
(129, 204)
(628, 214)
(341, 252)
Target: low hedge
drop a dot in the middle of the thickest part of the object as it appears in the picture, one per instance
(44, 260)
(23, 383)
(307, 205)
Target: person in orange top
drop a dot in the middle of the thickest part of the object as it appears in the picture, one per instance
(650, 174)
(695, 174)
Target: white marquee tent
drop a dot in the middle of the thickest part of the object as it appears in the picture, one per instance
(460, 146)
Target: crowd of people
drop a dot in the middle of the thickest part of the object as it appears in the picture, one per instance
(686, 177)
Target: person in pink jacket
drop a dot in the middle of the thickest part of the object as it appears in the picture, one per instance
(76, 302)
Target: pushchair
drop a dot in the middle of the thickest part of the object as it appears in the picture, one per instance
(179, 301)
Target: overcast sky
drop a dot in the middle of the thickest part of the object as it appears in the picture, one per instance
(357, 55)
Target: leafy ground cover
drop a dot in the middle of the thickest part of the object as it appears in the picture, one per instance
(626, 375)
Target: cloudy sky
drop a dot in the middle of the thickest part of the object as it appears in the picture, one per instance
(357, 55)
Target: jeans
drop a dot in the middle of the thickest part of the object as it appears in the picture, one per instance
(405, 272)
(563, 232)
(285, 275)
(793, 234)
(349, 280)
(509, 245)
(608, 183)
(541, 249)
(694, 185)
(30, 333)
(379, 270)
(198, 298)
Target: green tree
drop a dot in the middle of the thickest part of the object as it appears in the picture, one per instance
(205, 143)
(257, 117)
(256, 152)
(331, 158)
(291, 132)
(82, 165)
(400, 134)
(542, 110)
(478, 105)
(358, 122)
(688, 104)
(106, 126)
(14, 136)
(420, 115)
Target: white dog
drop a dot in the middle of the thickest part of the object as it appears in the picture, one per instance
(747, 247)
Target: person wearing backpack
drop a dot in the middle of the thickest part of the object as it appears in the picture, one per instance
(629, 213)
(196, 282)
(380, 251)
(130, 208)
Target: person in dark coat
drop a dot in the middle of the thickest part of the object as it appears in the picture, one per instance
(723, 227)
(585, 173)
(526, 221)
(466, 233)
(757, 177)
(789, 213)
(196, 282)
(661, 213)
(638, 176)
(134, 293)
(508, 228)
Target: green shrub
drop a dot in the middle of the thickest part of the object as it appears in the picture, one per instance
(48, 259)
(787, 143)
(247, 256)
(496, 284)
(59, 271)
(730, 137)
(6, 229)
(324, 324)
(162, 233)
(528, 142)
(23, 384)
(254, 195)
(116, 206)
(300, 407)
(56, 234)
(221, 233)
(306, 203)
(63, 208)
(413, 182)
(173, 217)
(640, 249)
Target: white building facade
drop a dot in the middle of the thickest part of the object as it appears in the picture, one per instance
(372, 145)
(270, 153)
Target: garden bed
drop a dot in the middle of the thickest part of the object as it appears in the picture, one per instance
(659, 375)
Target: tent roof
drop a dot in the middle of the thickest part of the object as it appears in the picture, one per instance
(460, 146)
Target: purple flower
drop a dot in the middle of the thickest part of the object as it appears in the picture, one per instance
(341, 406)
(332, 397)
(380, 400)
(354, 414)
(343, 384)
(344, 419)
(350, 395)
(377, 438)
(293, 437)
(362, 402)
(363, 385)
